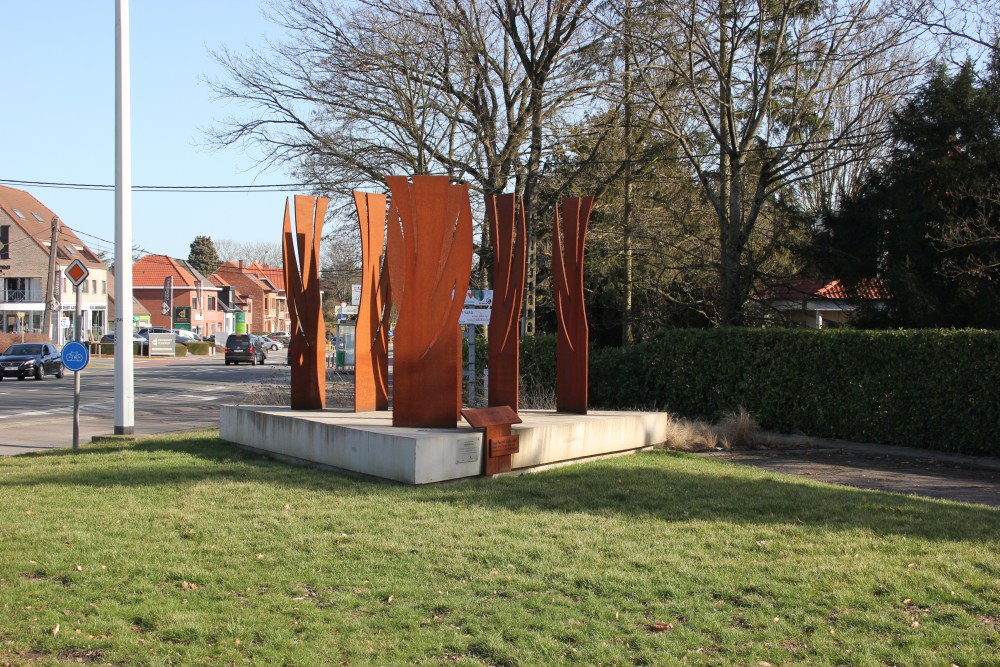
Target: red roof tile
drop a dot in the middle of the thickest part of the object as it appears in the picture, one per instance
(36, 220)
(152, 270)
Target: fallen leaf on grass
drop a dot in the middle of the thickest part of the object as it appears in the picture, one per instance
(79, 568)
(907, 601)
(763, 663)
(661, 626)
(55, 630)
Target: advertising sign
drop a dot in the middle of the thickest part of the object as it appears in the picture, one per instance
(241, 322)
(355, 295)
(479, 298)
(182, 317)
(477, 316)
(478, 305)
(168, 295)
(162, 345)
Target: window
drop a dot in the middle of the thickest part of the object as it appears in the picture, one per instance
(19, 214)
(211, 303)
(94, 284)
(69, 249)
(37, 217)
(4, 241)
(104, 287)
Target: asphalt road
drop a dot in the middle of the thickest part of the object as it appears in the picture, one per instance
(170, 395)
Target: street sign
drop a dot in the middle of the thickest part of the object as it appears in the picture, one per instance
(77, 272)
(75, 356)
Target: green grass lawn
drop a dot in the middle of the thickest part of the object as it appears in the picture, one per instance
(186, 551)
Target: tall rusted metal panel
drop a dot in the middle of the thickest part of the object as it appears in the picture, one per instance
(307, 345)
(571, 315)
(371, 354)
(429, 249)
(507, 232)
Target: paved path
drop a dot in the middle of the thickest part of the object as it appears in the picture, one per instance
(971, 479)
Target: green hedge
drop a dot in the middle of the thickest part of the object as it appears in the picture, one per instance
(928, 388)
(198, 347)
(180, 350)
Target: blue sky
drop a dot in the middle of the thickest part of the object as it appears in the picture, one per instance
(57, 119)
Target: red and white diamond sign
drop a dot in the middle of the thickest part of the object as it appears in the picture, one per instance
(77, 272)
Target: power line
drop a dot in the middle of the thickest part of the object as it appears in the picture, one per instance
(99, 187)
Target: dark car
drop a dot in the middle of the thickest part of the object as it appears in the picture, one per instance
(246, 348)
(37, 359)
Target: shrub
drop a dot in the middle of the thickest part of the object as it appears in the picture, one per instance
(198, 347)
(180, 350)
(937, 389)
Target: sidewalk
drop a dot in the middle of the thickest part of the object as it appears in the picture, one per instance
(907, 470)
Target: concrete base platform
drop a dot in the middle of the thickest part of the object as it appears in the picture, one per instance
(367, 443)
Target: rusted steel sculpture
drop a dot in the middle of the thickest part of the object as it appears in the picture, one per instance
(306, 346)
(429, 250)
(371, 354)
(506, 218)
(571, 314)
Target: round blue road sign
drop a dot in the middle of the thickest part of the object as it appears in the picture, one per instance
(75, 356)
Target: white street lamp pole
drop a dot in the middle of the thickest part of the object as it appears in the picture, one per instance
(124, 367)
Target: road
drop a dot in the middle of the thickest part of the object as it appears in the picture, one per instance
(170, 395)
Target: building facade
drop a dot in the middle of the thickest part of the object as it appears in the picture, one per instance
(191, 302)
(260, 289)
(26, 227)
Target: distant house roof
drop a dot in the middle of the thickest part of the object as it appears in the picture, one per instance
(274, 276)
(805, 288)
(35, 219)
(152, 270)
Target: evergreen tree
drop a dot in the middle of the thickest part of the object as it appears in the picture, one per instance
(928, 222)
(203, 255)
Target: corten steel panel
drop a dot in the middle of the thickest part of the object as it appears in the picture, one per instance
(506, 218)
(430, 260)
(371, 354)
(307, 344)
(571, 314)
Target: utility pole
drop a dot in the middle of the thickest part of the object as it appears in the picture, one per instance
(50, 288)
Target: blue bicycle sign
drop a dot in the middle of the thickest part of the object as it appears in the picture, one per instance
(75, 356)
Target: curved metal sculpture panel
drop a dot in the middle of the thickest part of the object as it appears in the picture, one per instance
(430, 261)
(571, 313)
(371, 355)
(507, 231)
(306, 347)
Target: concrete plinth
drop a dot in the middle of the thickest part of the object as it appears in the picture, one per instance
(368, 444)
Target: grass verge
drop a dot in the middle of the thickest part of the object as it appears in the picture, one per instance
(184, 550)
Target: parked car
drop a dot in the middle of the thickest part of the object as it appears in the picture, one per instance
(38, 359)
(247, 348)
(280, 336)
(272, 343)
(185, 336)
(110, 338)
(145, 331)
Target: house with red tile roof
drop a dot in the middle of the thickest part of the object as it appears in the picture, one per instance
(25, 248)
(820, 304)
(259, 291)
(192, 301)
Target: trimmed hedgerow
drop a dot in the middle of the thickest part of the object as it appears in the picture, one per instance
(197, 347)
(937, 389)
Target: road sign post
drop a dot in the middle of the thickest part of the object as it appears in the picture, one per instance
(77, 273)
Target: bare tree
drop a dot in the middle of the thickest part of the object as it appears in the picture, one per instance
(761, 97)
(264, 252)
(411, 86)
